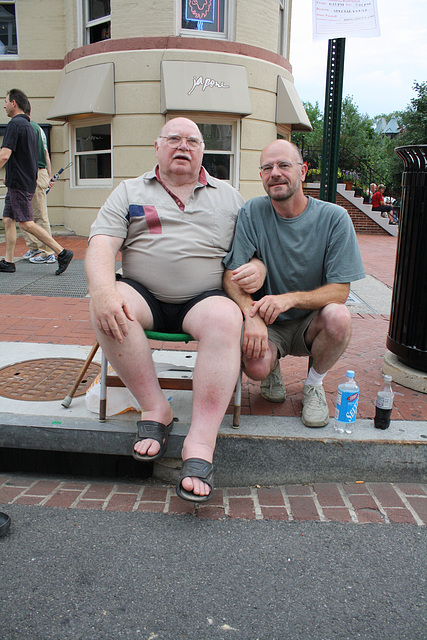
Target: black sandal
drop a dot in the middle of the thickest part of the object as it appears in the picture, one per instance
(152, 430)
(196, 468)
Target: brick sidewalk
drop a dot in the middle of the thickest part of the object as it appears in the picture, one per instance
(356, 503)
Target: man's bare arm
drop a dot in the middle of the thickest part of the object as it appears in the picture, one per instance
(255, 335)
(5, 154)
(250, 276)
(111, 311)
(269, 307)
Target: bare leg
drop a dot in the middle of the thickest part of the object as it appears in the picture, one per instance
(133, 363)
(42, 235)
(10, 234)
(328, 336)
(216, 323)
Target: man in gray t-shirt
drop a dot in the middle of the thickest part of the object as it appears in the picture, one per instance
(311, 254)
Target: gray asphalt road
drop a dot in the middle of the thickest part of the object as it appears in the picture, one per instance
(90, 575)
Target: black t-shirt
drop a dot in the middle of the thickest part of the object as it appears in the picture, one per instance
(22, 166)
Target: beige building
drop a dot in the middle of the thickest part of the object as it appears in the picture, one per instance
(103, 76)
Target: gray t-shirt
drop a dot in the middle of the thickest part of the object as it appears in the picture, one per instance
(316, 248)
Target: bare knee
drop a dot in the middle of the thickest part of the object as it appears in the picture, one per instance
(258, 369)
(336, 322)
(221, 320)
(26, 225)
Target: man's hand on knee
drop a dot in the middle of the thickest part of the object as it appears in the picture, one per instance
(111, 313)
(255, 338)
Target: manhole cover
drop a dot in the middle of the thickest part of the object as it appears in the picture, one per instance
(44, 380)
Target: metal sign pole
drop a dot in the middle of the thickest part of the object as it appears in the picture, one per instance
(332, 120)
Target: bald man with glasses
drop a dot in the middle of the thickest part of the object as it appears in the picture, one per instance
(173, 225)
(310, 250)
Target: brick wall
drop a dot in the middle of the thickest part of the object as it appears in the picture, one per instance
(362, 223)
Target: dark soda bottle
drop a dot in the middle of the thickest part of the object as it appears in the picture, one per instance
(384, 405)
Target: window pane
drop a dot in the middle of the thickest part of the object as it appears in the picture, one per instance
(98, 9)
(93, 138)
(95, 166)
(99, 32)
(217, 137)
(8, 43)
(218, 165)
(203, 15)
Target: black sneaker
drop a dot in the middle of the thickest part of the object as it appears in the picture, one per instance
(7, 267)
(64, 259)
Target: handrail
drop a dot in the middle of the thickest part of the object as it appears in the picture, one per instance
(368, 174)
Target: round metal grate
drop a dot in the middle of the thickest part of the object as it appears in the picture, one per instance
(44, 380)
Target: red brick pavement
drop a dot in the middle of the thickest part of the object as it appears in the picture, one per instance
(356, 503)
(66, 321)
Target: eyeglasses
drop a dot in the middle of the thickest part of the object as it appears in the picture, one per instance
(175, 141)
(282, 166)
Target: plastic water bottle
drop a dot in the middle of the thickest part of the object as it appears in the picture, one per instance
(346, 406)
(384, 405)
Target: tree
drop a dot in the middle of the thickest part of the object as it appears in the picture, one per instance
(414, 121)
(311, 143)
(414, 117)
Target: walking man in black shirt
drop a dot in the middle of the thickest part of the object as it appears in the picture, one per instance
(20, 152)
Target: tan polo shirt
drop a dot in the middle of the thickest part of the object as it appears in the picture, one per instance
(175, 254)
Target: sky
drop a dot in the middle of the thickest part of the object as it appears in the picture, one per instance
(378, 72)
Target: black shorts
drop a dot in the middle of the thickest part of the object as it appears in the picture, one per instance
(167, 317)
(17, 205)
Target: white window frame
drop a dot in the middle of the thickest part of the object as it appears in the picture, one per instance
(83, 183)
(234, 153)
(12, 56)
(86, 25)
(282, 46)
(228, 33)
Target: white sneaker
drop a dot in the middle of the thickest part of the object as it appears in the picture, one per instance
(45, 259)
(30, 254)
(315, 412)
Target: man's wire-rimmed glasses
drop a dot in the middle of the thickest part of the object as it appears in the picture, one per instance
(282, 166)
(175, 141)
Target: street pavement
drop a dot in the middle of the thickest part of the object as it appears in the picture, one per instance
(91, 575)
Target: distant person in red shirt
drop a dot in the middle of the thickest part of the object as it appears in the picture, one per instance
(377, 202)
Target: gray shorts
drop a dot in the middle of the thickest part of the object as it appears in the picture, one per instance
(289, 336)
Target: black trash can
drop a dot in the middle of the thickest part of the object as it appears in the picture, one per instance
(407, 334)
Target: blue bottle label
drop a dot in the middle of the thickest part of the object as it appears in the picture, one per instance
(346, 408)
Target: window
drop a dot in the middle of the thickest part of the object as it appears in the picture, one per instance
(220, 149)
(8, 41)
(284, 13)
(92, 154)
(97, 20)
(205, 18)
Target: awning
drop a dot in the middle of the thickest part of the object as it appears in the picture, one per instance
(204, 86)
(85, 91)
(289, 108)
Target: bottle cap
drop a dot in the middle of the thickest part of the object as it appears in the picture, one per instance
(350, 374)
(387, 378)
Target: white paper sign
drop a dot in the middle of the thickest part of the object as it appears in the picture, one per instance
(345, 19)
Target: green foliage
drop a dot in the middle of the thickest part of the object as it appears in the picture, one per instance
(414, 121)
(360, 146)
(414, 118)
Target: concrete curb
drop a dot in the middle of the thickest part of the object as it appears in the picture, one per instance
(265, 450)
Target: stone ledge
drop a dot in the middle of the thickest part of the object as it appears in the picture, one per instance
(404, 375)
